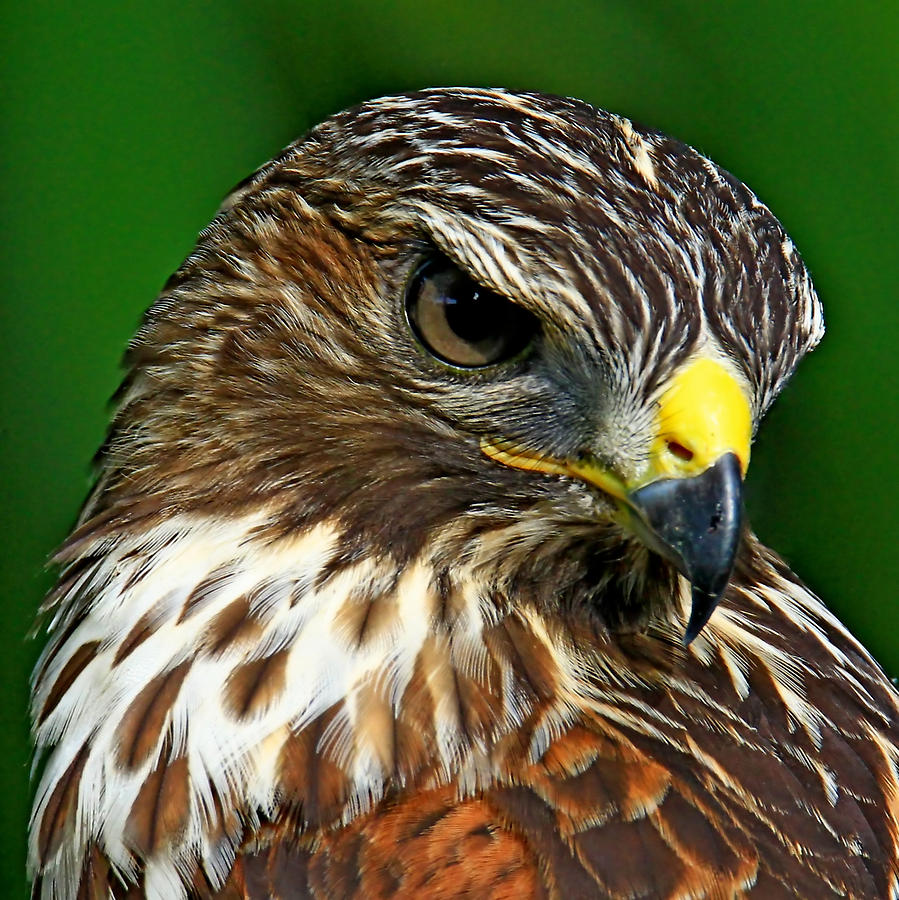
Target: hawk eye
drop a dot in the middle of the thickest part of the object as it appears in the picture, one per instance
(462, 323)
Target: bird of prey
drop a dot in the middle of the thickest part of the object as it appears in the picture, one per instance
(415, 564)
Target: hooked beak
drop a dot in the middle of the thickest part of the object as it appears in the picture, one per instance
(695, 523)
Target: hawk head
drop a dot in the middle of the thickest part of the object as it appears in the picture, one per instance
(463, 324)
(452, 400)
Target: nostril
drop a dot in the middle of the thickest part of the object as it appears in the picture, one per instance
(680, 451)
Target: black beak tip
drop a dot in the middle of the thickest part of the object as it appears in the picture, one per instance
(702, 606)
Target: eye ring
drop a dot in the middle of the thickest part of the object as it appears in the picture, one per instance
(462, 323)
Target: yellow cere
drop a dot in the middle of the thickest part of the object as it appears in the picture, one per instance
(703, 414)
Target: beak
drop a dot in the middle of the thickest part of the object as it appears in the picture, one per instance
(695, 523)
(687, 503)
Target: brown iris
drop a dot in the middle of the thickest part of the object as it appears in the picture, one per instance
(462, 323)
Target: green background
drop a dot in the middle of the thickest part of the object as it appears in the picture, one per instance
(125, 124)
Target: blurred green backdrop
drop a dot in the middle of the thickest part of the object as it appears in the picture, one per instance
(125, 124)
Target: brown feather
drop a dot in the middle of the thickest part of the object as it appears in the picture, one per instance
(160, 811)
(143, 723)
(255, 685)
(78, 662)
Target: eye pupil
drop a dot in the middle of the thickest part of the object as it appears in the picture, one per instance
(461, 322)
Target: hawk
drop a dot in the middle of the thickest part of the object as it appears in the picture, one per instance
(415, 564)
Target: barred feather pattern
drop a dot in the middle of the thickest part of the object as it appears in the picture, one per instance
(308, 641)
